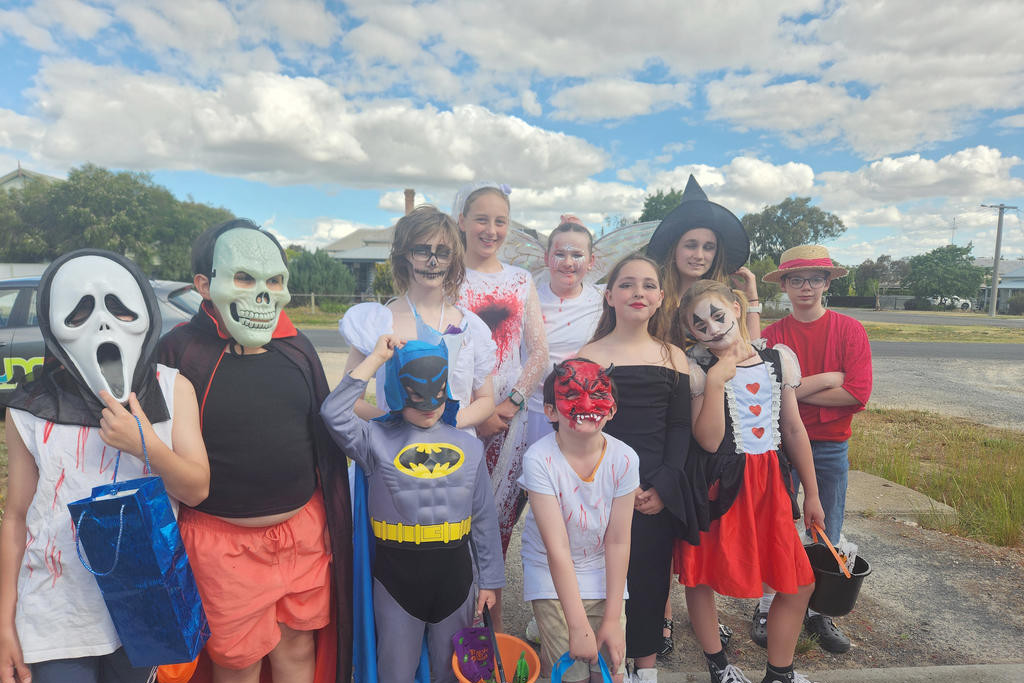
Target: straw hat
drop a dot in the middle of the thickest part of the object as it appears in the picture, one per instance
(695, 211)
(805, 257)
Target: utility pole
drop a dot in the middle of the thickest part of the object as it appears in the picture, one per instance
(994, 290)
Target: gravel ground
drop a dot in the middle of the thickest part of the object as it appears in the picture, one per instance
(989, 392)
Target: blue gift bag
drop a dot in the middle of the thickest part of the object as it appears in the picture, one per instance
(131, 544)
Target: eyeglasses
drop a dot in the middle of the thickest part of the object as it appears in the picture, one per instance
(816, 282)
(422, 253)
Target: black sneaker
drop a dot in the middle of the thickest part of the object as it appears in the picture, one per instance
(730, 674)
(666, 641)
(724, 634)
(828, 635)
(759, 626)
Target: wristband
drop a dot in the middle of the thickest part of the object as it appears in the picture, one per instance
(756, 308)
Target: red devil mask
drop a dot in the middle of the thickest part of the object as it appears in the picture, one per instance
(583, 391)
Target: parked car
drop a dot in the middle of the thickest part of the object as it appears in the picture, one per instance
(953, 302)
(21, 343)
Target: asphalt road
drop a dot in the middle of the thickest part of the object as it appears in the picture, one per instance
(932, 318)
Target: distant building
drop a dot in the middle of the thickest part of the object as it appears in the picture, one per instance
(361, 251)
(20, 177)
(1011, 283)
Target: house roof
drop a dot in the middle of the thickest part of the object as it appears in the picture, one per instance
(20, 176)
(370, 252)
(361, 238)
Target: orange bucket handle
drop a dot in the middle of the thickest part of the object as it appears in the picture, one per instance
(815, 531)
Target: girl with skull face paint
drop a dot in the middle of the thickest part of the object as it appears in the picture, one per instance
(745, 411)
(66, 431)
(276, 477)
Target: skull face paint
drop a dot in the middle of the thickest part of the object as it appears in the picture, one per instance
(714, 323)
(583, 392)
(249, 285)
(98, 315)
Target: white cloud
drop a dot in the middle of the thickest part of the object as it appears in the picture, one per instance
(1016, 121)
(19, 25)
(285, 130)
(73, 17)
(617, 98)
(324, 232)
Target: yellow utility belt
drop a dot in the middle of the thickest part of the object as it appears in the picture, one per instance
(445, 532)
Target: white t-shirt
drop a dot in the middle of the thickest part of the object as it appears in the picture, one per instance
(60, 612)
(586, 507)
(569, 324)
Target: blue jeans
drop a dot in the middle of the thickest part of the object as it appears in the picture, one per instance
(832, 470)
(112, 668)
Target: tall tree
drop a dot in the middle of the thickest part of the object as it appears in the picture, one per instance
(658, 205)
(787, 224)
(945, 271)
(318, 273)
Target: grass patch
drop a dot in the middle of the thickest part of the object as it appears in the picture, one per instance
(942, 333)
(301, 317)
(975, 469)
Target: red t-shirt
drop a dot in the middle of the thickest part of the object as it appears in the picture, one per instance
(833, 342)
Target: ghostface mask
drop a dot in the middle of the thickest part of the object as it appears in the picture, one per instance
(98, 316)
(249, 285)
(417, 377)
(583, 391)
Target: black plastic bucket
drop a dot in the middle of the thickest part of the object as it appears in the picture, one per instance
(834, 594)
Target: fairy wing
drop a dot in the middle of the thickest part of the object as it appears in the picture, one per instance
(523, 248)
(613, 246)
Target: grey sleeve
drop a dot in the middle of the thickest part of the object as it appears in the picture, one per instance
(484, 533)
(348, 430)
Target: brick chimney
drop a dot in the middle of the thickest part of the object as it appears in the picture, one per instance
(410, 200)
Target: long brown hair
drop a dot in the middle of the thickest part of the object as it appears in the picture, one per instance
(700, 290)
(420, 224)
(673, 284)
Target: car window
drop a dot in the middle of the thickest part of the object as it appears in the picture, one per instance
(187, 299)
(7, 299)
(33, 318)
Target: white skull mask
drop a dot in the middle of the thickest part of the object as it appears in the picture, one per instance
(249, 285)
(98, 315)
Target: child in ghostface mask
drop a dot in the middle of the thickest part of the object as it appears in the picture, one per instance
(746, 420)
(99, 397)
(429, 499)
(581, 483)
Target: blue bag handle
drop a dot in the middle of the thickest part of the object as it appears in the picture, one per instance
(565, 661)
(120, 530)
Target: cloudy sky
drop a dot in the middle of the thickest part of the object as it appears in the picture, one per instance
(900, 116)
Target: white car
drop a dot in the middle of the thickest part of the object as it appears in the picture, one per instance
(951, 301)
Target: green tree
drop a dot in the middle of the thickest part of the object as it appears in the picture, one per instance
(383, 280)
(788, 224)
(318, 273)
(945, 271)
(766, 291)
(658, 205)
(840, 286)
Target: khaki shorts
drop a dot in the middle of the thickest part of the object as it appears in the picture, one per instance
(554, 637)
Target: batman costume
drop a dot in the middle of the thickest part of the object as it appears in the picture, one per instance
(429, 500)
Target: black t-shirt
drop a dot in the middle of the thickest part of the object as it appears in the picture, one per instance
(257, 425)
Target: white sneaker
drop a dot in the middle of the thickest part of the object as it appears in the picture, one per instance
(646, 676)
(533, 632)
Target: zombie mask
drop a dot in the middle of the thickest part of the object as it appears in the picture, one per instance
(583, 391)
(249, 285)
(98, 316)
(714, 323)
(417, 376)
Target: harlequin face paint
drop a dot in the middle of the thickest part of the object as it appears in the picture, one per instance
(714, 323)
(583, 391)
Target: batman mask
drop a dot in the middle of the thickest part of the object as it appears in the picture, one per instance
(417, 377)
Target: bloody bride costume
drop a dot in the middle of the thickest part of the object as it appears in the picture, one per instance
(429, 499)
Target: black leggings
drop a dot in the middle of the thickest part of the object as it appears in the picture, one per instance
(650, 568)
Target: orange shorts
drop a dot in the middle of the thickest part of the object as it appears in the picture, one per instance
(252, 578)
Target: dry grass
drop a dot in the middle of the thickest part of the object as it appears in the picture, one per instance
(942, 333)
(977, 470)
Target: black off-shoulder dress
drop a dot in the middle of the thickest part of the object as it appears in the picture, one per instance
(653, 417)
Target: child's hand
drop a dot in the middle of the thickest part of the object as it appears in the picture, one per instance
(385, 347)
(491, 425)
(813, 512)
(723, 371)
(12, 662)
(583, 644)
(487, 597)
(745, 281)
(118, 428)
(648, 502)
(612, 637)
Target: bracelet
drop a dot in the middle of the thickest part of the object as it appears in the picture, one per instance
(756, 308)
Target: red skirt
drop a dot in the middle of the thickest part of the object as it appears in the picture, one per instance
(754, 542)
